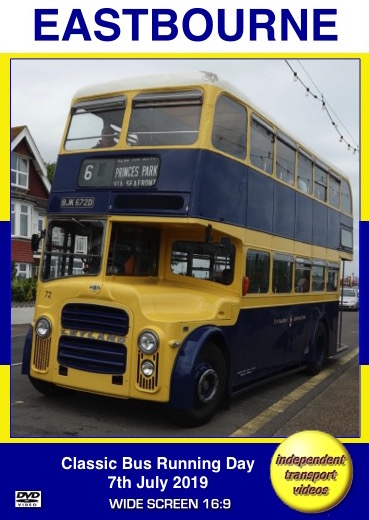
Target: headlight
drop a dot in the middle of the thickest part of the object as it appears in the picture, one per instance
(43, 327)
(148, 368)
(148, 342)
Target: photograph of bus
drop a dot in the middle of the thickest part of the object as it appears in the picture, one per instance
(192, 248)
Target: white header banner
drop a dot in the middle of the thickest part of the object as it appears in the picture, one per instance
(191, 26)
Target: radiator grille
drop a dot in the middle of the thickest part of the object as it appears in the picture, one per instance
(98, 318)
(41, 354)
(92, 355)
(148, 383)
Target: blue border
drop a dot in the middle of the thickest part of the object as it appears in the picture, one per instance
(364, 292)
(5, 299)
(85, 493)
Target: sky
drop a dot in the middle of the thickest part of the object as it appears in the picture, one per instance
(42, 90)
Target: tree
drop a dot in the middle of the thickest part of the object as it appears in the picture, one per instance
(50, 167)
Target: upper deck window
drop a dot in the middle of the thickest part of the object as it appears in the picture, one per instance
(305, 174)
(286, 157)
(262, 144)
(346, 205)
(165, 118)
(320, 184)
(334, 192)
(95, 123)
(229, 129)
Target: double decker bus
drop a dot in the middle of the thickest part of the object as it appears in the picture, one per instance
(192, 249)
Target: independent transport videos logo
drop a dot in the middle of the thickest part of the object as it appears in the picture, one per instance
(28, 499)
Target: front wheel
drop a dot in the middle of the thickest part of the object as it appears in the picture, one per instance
(209, 388)
(319, 352)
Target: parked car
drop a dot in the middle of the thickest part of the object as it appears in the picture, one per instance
(349, 299)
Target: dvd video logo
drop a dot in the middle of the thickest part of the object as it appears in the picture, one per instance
(28, 499)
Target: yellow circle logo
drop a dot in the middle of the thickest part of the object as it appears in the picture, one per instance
(311, 471)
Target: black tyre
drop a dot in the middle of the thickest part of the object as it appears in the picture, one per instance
(46, 388)
(209, 388)
(319, 352)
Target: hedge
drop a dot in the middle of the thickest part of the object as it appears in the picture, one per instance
(24, 289)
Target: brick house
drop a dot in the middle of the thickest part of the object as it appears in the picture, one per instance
(30, 190)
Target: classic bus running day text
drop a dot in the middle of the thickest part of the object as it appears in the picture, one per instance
(135, 476)
(196, 25)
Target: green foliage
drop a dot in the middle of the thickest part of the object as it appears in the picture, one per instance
(24, 289)
(50, 167)
(14, 270)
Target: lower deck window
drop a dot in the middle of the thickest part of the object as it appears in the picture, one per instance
(302, 277)
(73, 248)
(257, 270)
(282, 273)
(318, 278)
(133, 250)
(332, 283)
(207, 261)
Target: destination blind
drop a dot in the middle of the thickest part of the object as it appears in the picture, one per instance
(119, 172)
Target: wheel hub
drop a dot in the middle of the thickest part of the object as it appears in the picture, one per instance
(208, 385)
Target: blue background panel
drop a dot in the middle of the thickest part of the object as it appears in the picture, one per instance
(85, 493)
(5, 300)
(364, 294)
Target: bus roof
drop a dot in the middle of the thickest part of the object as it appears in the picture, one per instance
(177, 79)
(191, 79)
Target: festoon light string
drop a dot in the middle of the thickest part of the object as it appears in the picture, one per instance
(326, 107)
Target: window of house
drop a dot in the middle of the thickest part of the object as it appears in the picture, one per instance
(40, 222)
(19, 171)
(229, 128)
(20, 219)
(23, 270)
(12, 215)
(40, 227)
(257, 271)
(262, 144)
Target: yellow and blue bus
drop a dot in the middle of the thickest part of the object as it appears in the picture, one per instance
(192, 249)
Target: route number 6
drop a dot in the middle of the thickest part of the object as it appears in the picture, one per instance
(88, 172)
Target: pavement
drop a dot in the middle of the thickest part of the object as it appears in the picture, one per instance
(22, 315)
(335, 410)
